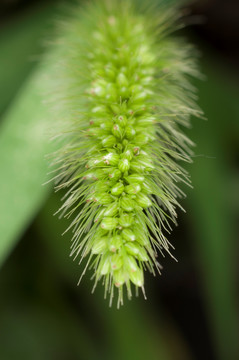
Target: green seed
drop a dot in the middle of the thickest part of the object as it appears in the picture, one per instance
(141, 237)
(141, 139)
(124, 92)
(133, 248)
(103, 199)
(147, 187)
(112, 209)
(117, 131)
(109, 141)
(115, 174)
(119, 277)
(128, 154)
(122, 120)
(111, 159)
(137, 277)
(116, 262)
(99, 245)
(104, 266)
(124, 165)
(101, 186)
(100, 214)
(126, 220)
(137, 98)
(146, 162)
(115, 243)
(115, 108)
(135, 178)
(117, 189)
(127, 204)
(122, 80)
(109, 223)
(130, 133)
(128, 235)
(130, 263)
(99, 110)
(111, 92)
(110, 71)
(96, 161)
(143, 200)
(133, 189)
(106, 126)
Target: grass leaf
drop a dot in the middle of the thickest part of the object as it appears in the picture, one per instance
(23, 144)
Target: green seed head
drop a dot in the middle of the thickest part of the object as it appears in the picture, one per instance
(124, 95)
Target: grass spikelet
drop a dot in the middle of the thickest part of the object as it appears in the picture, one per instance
(123, 94)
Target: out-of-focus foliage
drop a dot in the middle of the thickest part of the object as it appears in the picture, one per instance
(212, 202)
(23, 145)
(23, 136)
(21, 44)
(43, 314)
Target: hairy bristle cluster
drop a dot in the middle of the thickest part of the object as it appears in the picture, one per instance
(123, 94)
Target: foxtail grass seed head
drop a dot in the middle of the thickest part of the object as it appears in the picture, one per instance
(123, 94)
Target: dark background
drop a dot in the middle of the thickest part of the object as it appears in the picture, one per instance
(192, 309)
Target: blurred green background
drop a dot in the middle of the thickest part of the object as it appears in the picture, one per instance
(192, 309)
